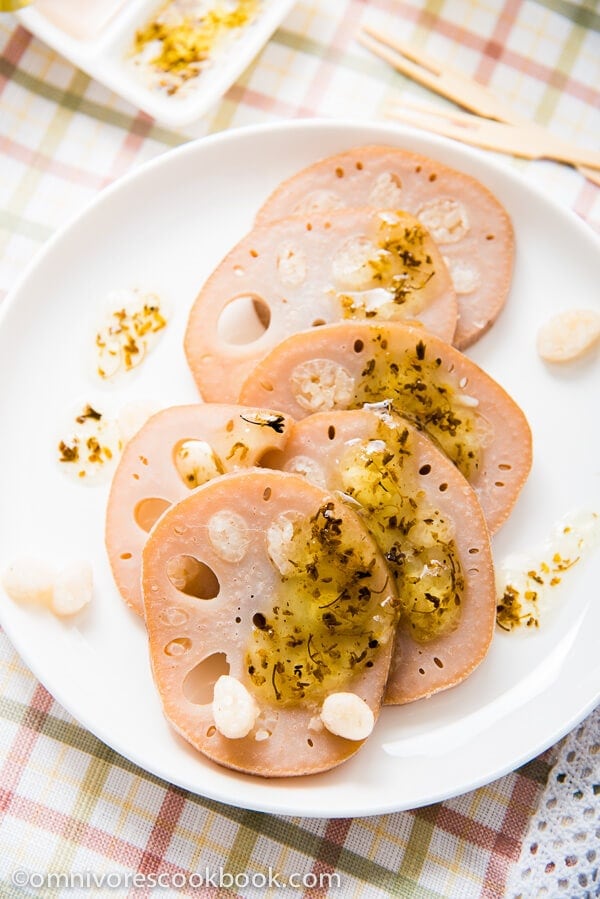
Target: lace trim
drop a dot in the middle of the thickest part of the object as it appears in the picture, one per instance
(560, 855)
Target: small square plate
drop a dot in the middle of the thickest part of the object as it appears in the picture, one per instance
(100, 45)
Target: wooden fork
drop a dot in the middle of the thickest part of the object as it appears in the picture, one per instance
(500, 128)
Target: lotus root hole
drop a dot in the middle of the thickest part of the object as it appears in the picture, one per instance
(318, 322)
(125, 556)
(438, 662)
(178, 647)
(271, 458)
(196, 462)
(498, 483)
(386, 192)
(173, 617)
(148, 511)
(192, 577)
(504, 466)
(358, 346)
(243, 320)
(390, 178)
(331, 432)
(267, 494)
(198, 685)
(259, 621)
(424, 469)
(352, 263)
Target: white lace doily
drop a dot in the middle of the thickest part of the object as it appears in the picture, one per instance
(560, 856)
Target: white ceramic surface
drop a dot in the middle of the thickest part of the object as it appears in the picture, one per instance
(104, 56)
(165, 227)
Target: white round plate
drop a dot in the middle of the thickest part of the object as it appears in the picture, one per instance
(165, 227)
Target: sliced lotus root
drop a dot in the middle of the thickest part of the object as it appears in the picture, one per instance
(273, 663)
(470, 226)
(429, 525)
(176, 451)
(469, 416)
(305, 272)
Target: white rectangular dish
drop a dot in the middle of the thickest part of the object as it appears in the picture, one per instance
(99, 37)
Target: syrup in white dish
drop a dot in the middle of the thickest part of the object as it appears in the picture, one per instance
(185, 37)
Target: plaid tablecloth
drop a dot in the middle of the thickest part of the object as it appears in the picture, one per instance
(68, 804)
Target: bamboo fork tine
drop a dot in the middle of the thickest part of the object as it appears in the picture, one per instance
(404, 49)
(528, 142)
(443, 79)
(402, 65)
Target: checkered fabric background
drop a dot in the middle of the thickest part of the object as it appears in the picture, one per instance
(67, 802)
